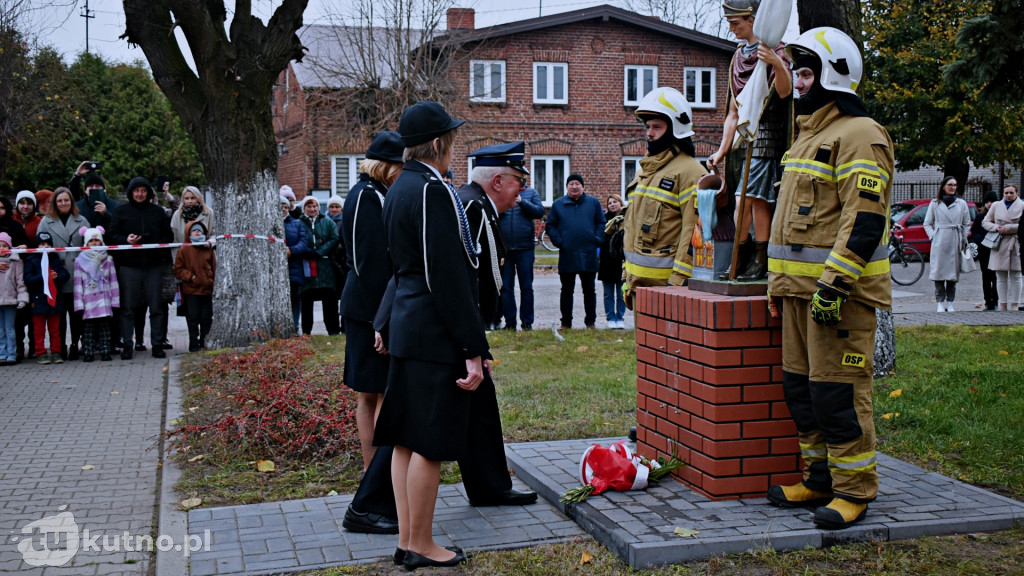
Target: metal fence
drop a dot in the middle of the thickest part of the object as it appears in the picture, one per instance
(971, 191)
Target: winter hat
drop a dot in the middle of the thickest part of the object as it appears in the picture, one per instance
(6, 238)
(25, 195)
(307, 200)
(991, 196)
(575, 177)
(42, 237)
(88, 234)
(285, 200)
(335, 201)
(197, 225)
(286, 191)
(94, 179)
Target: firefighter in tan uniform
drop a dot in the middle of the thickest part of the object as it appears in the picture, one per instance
(828, 272)
(662, 207)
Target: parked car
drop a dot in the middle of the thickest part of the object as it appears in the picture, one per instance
(908, 218)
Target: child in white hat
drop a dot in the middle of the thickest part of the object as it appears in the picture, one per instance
(96, 294)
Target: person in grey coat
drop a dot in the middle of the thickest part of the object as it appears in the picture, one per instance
(576, 226)
(947, 224)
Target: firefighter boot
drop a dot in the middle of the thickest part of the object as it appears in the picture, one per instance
(757, 269)
(797, 495)
(745, 252)
(839, 514)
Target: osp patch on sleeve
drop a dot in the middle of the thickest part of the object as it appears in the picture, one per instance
(855, 360)
(869, 183)
(667, 184)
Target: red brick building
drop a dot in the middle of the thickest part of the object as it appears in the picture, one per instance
(566, 84)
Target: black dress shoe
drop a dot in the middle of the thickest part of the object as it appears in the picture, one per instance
(88, 358)
(413, 561)
(368, 523)
(166, 344)
(158, 353)
(140, 347)
(126, 354)
(527, 327)
(510, 497)
(73, 354)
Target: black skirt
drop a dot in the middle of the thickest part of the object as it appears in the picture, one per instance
(365, 369)
(424, 410)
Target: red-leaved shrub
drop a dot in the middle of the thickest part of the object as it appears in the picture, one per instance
(269, 401)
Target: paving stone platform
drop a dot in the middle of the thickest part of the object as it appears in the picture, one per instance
(282, 537)
(639, 525)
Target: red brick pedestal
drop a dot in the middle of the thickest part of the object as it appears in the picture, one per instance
(709, 384)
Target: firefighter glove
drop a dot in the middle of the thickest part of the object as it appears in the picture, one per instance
(774, 306)
(825, 308)
(627, 296)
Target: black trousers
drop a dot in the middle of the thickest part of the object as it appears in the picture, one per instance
(329, 299)
(988, 279)
(138, 285)
(484, 468)
(199, 317)
(589, 297)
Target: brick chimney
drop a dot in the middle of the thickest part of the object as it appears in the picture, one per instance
(461, 18)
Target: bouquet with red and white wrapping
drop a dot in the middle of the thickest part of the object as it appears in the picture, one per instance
(619, 469)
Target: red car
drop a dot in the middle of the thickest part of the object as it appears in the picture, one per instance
(908, 217)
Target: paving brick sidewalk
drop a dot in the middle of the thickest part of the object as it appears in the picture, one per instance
(57, 419)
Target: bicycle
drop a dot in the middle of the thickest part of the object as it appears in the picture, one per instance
(543, 239)
(906, 265)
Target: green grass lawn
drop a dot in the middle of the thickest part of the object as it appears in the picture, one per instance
(954, 406)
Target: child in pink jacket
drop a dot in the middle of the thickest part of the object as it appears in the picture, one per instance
(96, 294)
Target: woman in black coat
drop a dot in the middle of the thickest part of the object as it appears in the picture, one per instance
(368, 263)
(609, 270)
(437, 343)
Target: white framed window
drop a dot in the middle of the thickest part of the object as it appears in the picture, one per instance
(638, 81)
(487, 80)
(549, 174)
(344, 173)
(700, 87)
(630, 168)
(550, 83)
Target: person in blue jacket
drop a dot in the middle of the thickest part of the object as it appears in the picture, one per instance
(296, 240)
(518, 227)
(576, 226)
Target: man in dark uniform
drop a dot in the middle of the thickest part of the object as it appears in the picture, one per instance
(500, 174)
(484, 468)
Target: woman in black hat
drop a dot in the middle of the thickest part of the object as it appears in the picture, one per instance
(437, 343)
(369, 269)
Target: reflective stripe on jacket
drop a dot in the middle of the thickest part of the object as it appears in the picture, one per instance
(831, 223)
(660, 220)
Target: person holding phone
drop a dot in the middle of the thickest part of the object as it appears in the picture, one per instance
(94, 204)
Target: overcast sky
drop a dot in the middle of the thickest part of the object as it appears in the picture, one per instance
(65, 28)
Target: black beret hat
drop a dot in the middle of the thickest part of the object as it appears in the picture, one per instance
(424, 121)
(386, 146)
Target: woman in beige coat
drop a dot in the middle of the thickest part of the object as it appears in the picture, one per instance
(1004, 218)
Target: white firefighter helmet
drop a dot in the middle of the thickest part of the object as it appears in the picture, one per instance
(841, 63)
(670, 103)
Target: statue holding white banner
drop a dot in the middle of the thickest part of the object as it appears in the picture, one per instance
(758, 127)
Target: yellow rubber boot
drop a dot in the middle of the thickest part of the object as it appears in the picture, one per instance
(839, 514)
(797, 495)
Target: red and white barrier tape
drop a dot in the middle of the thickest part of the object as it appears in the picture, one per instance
(142, 246)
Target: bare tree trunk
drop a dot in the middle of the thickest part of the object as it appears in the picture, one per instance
(225, 107)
